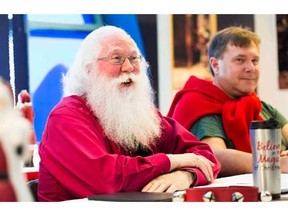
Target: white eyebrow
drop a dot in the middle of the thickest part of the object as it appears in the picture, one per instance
(113, 49)
(119, 49)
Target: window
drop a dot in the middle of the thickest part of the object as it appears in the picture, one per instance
(53, 41)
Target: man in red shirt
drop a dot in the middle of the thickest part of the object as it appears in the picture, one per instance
(219, 112)
(107, 136)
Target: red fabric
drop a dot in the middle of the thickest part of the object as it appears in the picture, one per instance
(3, 163)
(32, 175)
(78, 161)
(24, 102)
(200, 97)
(7, 193)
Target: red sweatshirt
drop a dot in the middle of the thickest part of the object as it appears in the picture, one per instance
(201, 97)
(78, 161)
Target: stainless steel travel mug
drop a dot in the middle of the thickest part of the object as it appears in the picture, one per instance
(265, 137)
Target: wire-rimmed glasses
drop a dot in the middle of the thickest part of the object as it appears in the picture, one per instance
(118, 59)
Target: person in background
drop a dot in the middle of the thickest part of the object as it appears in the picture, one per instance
(283, 79)
(15, 137)
(107, 136)
(219, 112)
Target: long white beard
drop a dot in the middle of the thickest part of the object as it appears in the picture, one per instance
(128, 116)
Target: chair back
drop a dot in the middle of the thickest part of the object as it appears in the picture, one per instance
(33, 185)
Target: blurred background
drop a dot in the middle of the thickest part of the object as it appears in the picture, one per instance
(37, 49)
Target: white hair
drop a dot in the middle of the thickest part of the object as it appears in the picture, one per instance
(128, 117)
(77, 77)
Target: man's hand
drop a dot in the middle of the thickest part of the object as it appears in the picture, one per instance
(192, 160)
(284, 153)
(177, 180)
(284, 163)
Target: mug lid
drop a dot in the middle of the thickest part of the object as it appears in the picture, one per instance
(266, 124)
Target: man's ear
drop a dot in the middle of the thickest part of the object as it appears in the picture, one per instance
(89, 67)
(214, 63)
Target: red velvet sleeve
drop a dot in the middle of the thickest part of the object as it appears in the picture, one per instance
(179, 140)
(74, 151)
(77, 160)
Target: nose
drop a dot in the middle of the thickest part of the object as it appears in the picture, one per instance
(250, 66)
(127, 67)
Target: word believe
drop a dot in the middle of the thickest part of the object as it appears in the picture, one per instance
(268, 153)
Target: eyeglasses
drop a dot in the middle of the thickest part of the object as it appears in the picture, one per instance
(117, 59)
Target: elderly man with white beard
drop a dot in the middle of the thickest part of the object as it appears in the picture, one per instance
(107, 136)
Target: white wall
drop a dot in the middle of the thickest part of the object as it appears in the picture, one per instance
(268, 90)
(164, 62)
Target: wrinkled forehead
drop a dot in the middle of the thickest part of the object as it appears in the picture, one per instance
(119, 44)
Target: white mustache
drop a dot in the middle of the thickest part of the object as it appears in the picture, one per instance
(126, 78)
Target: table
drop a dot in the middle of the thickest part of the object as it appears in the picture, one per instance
(237, 180)
(247, 180)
